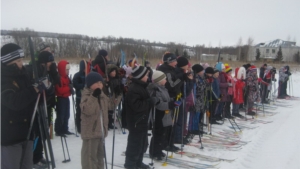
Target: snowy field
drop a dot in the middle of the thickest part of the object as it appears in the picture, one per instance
(274, 145)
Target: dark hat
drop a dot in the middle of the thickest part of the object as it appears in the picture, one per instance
(197, 68)
(210, 70)
(103, 53)
(169, 57)
(216, 70)
(246, 66)
(138, 72)
(11, 52)
(265, 64)
(182, 61)
(42, 46)
(92, 78)
(45, 57)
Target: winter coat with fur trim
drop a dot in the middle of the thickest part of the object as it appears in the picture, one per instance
(91, 110)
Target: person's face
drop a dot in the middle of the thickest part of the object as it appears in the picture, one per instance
(201, 73)
(173, 64)
(208, 74)
(18, 62)
(67, 71)
(112, 74)
(163, 82)
(216, 75)
(48, 64)
(48, 49)
(97, 85)
(223, 70)
(265, 67)
(185, 67)
(229, 73)
(145, 78)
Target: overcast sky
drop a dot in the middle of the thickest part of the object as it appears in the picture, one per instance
(215, 22)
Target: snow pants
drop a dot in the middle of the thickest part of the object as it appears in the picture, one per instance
(137, 144)
(92, 154)
(11, 156)
(62, 115)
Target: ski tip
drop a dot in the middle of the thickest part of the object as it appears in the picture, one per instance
(164, 164)
(171, 156)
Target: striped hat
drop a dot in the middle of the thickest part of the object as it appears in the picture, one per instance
(227, 68)
(11, 52)
(158, 76)
(138, 72)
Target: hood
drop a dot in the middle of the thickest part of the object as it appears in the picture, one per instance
(111, 67)
(82, 65)
(241, 72)
(62, 68)
(219, 66)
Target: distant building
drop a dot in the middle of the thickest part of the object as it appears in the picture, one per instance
(268, 50)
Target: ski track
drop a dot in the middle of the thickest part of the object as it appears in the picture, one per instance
(274, 145)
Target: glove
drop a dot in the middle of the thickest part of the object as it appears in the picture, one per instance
(177, 103)
(40, 87)
(229, 84)
(53, 70)
(154, 101)
(46, 82)
(71, 89)
(209, 80)
(96, 93)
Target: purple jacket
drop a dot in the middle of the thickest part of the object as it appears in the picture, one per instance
(224, 87)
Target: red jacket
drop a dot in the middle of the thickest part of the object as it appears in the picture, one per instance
(238, 94)
(63, 90)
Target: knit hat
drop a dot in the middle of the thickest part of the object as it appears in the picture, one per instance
(227, 68)
(252, 67)
(216, 70)
(205, 65)
(169, 57)
(182, 61)
(102, 52)
(138, 72)
(158, 76)
(92, 78)
(11, 52)
(42, 46)
(209, 70)
(246, 66)
(197, 68)
(45, 57)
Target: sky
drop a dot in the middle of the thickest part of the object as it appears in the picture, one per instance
(191, 22)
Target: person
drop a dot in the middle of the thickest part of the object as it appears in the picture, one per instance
(44, 47)
(208, 76)
(262, 70)
(215, 97)
(186, 77)
(138, 105)
(100, 62)
(200, 96)
(173, 85)
(163, 117)
(17, 106)
(228, 77)
(265, 84)
(94, 118)
(46, 68)
(284, 74)
(79, 84)
(253, 90)
(63, 91)
(148, 66)
(238, 92)
(112, 89)
(224, 90)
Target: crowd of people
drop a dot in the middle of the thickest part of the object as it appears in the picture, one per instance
(172, 101)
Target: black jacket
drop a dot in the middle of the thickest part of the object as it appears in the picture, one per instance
(262, 72)
(137, 106)
(17, 104)
(184, 78)
(79, 80)
(173, 82)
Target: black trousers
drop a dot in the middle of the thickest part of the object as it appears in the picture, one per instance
(77, 117)
(137, 144)
(157, 143)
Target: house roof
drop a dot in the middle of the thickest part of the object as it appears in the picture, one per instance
(276, 43)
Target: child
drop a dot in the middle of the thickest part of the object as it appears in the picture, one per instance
(138, 105)
(229, 80)
(284, 74)
(94, 122)
(112, 89)
(17, 105)
(79, 83)
(223, 89)
(63, 91)
(238, 88)
(215, 97)
(163, 116)
(253, 90)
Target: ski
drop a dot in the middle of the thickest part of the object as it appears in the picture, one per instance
(201, 156)
(216, 147)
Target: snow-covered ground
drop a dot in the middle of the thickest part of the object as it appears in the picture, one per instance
(274, 145)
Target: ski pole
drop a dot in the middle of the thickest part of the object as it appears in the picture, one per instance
(153, 137)
(183, 112)
(102, 133)
(74, 109)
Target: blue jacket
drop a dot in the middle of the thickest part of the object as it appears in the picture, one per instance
(79, 80)
(216, 88)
